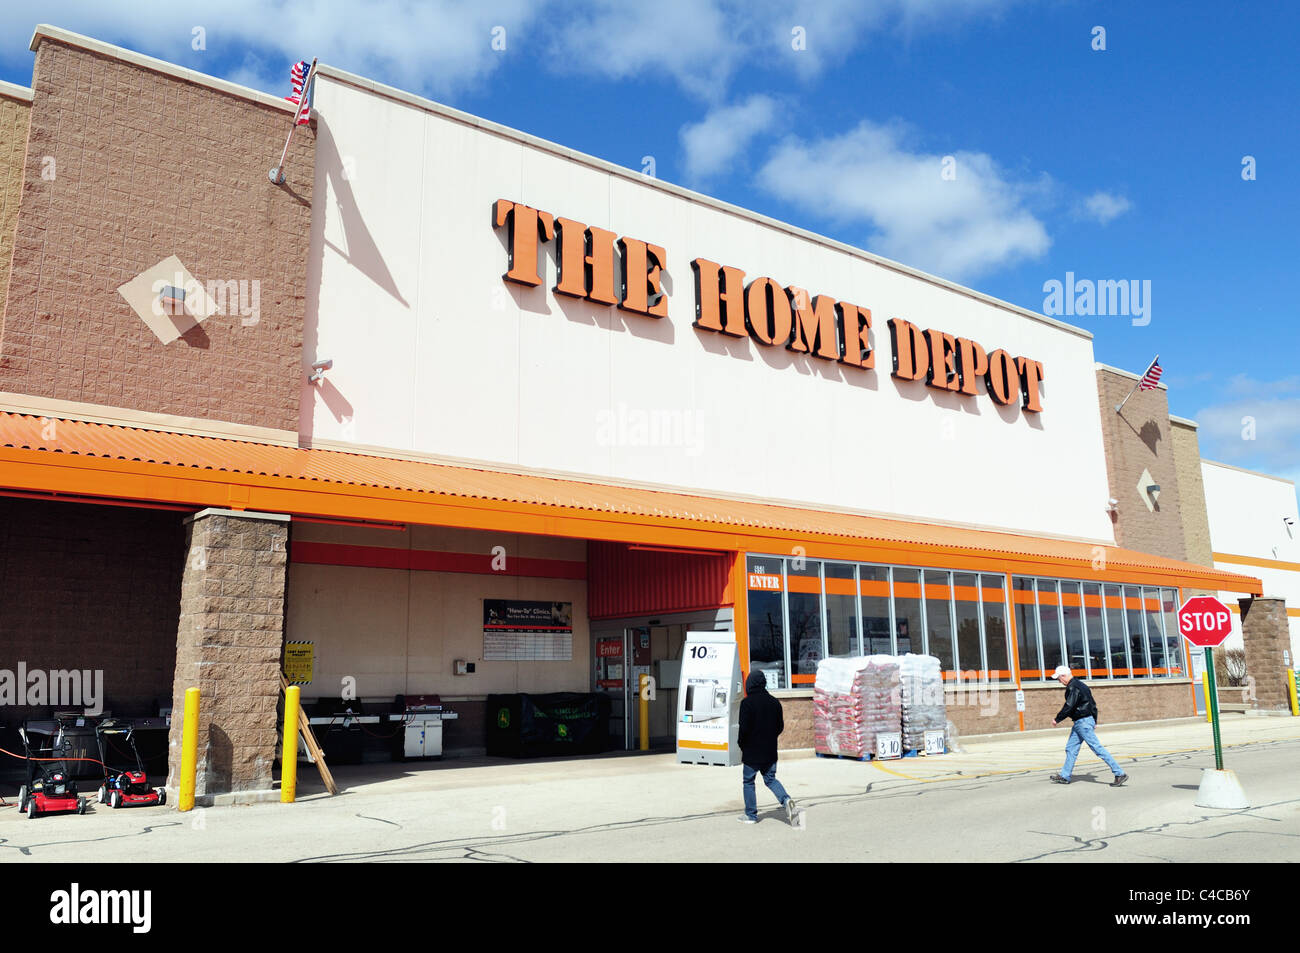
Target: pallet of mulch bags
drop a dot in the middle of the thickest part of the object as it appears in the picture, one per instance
(855, 700)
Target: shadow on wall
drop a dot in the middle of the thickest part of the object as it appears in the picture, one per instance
(360, 251)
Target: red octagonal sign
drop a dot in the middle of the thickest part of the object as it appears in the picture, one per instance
(1204, 621)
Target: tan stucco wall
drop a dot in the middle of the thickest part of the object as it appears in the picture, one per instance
(399, 631)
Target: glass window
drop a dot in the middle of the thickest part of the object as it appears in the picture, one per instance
(1049, 625)
(1076, 645)
(1119, 662)
(1155, 632)
(874, 584)
(907, 611)
(1141, 667)
(996, 645)
(766, 618)
(1173, 642)
(841, 610)
(938, 619)
(1096, 634)
(966, 603)
(804, 598)
(1026, 627)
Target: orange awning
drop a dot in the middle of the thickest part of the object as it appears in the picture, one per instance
(82, 459)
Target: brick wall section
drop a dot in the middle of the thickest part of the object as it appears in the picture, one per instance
(91, 587)
(992, 711)
(228, 645)
(14, 116)
(1138, 439)
(1266, 635)
(148, 165)
(1191, 494)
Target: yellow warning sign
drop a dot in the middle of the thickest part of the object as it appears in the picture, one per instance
(298, 658)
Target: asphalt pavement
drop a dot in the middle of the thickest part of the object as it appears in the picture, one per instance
(989, 801)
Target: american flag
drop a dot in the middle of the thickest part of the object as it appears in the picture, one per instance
(298, 74)
(1152, 377)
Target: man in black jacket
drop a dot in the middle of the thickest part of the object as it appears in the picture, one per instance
(761, 721)
(1080, 706)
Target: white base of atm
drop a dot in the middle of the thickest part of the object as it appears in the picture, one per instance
(708, 700)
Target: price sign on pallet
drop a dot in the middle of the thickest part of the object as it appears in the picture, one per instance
(889, 745)
(934, 741)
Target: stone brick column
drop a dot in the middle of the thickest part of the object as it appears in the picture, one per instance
(1266, 636)
(228, 645)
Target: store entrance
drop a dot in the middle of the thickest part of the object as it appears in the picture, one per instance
(622, 651)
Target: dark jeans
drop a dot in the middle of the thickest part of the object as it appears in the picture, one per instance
(773, 785)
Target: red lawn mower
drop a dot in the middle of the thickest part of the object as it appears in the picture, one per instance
(53, 792)
(124, 788)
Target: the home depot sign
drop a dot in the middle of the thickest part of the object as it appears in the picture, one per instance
(597, 265)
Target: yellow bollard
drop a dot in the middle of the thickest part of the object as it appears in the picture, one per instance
(289, 750)
(1205, 681)
(1290, 680)
(645, 712)
(189, 750)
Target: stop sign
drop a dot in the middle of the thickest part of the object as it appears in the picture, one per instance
(1204, 621)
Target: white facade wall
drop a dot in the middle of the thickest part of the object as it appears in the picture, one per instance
(1248, 513)
(434, 353)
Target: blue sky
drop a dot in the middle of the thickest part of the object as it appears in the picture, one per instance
(1117, 163)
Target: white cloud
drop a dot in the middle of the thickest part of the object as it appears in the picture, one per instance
(438, 46)
(1257, 428)
(714, 142)
(701, 44)
(960, 227)
(433, 48)
(1103, 207)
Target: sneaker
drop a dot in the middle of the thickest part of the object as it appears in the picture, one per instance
(747, 820)
(1119, 780)
(791, 809)
(1057, 779)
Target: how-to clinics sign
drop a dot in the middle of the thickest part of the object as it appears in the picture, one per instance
(597, 265)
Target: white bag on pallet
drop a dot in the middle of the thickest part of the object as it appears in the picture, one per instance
(921, 685)
(854, 699)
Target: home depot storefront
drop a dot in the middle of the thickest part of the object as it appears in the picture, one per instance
(572, 385)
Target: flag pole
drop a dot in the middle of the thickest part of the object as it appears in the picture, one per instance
(277, 173)
(1137, 385)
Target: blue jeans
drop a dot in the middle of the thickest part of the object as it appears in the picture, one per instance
(1082, 733)
(773, 785)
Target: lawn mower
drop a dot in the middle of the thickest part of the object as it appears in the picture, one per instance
(53, 792)
(124, 788)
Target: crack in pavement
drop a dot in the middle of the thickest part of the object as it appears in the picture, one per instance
(1160, 830)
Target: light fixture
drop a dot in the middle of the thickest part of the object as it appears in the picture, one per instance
(172, 299)
(318, 370)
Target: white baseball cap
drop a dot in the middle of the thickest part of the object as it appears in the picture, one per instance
(1060, 670)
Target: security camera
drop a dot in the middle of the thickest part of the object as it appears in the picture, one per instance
(318, 370)
(1112, 503)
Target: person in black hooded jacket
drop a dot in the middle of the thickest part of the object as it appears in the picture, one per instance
(761, 722)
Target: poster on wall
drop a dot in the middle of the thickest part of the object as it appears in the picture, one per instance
(298, 660)
(520, 631)
(708, 700)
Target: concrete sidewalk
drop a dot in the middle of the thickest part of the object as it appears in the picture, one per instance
(649, 807)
